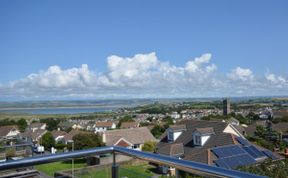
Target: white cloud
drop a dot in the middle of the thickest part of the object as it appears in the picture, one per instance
(277, 81)
(144, 75)
(241, 74)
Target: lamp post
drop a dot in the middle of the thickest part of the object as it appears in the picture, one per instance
(72, 160)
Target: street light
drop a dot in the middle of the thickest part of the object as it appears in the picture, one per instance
(72, 160)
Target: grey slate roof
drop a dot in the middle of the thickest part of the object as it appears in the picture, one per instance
(36, 125)
(4, 130)
(34, 135)
(134, 135)
(178, 127)
(199, 153)
(204, 131)
(173, 149)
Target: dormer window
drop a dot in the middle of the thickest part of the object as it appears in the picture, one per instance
(170, 135)
(174, 131)
(201, 135)
(197, 140)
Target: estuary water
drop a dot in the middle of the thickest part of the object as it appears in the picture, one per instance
(60, 110)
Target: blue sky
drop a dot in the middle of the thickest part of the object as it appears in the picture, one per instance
(36, 35)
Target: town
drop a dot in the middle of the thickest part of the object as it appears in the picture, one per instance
(229, 133)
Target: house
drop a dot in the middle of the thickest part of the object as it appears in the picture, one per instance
(234, 121)
(65, 125)
(210, 142)
(36, 126)
(281, 128)
(175, 115)
(58, 136)
(33, 135)
(103, 126)
(8, 132)
(68, 138)
(78, 126)
(133, 138)
(128, 125)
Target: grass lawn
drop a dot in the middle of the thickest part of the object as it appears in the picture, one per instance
(138, 171)
(51, 168)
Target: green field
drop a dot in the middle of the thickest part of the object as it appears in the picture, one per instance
(138, 171)
(135, 171)
(51, 168)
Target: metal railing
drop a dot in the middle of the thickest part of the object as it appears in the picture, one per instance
(184, 165)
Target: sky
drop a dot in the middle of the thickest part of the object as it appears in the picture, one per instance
(142, 49)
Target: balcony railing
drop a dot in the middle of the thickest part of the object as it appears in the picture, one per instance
(184, 165)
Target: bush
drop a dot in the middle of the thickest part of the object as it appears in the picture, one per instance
(149, 146)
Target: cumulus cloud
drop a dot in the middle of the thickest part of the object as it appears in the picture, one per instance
(55, 77)
(277, 80)
(241, 74)
(144, 75)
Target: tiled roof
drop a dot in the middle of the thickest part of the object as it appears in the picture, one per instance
(71, 134)
(57, 133)
(4, 130)
(34, 135)
(122, 143)
(134, 135)
(104, 124)
(199, 153)
(126, 125)
(173, 149)
(36, 125)
(206, 130)
(178, 127)
(65, 124)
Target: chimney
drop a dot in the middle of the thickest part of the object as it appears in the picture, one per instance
(104, 137)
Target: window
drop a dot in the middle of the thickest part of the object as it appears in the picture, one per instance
(197, 140)
(136, 146)
(170, 135)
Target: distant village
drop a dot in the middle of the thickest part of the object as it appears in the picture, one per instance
(205, 135)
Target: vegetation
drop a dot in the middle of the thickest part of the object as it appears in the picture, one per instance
(51, 168)
(280, 119)
(131, 171)
(149, 146)
(126, 118)
(51, 123)
(48, 141)
(267, 138)
(10, 153)
(275, 169)
(87, 140)
(21, 123)
(158, 130)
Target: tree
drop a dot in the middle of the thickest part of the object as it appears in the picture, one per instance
(126, 118)
(51, 123)
(149, 146)
(48, 140)
(157, 130)
(87, 140)
(22, 125)
(10, 153)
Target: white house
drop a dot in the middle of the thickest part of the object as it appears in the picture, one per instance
(8, 132)
(103, 126)
(37, 126)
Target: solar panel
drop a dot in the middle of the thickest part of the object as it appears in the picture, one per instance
(253, 151)
(269, 154)
(243, 141)
(235, 161)
(226, 151)
(221, 163)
